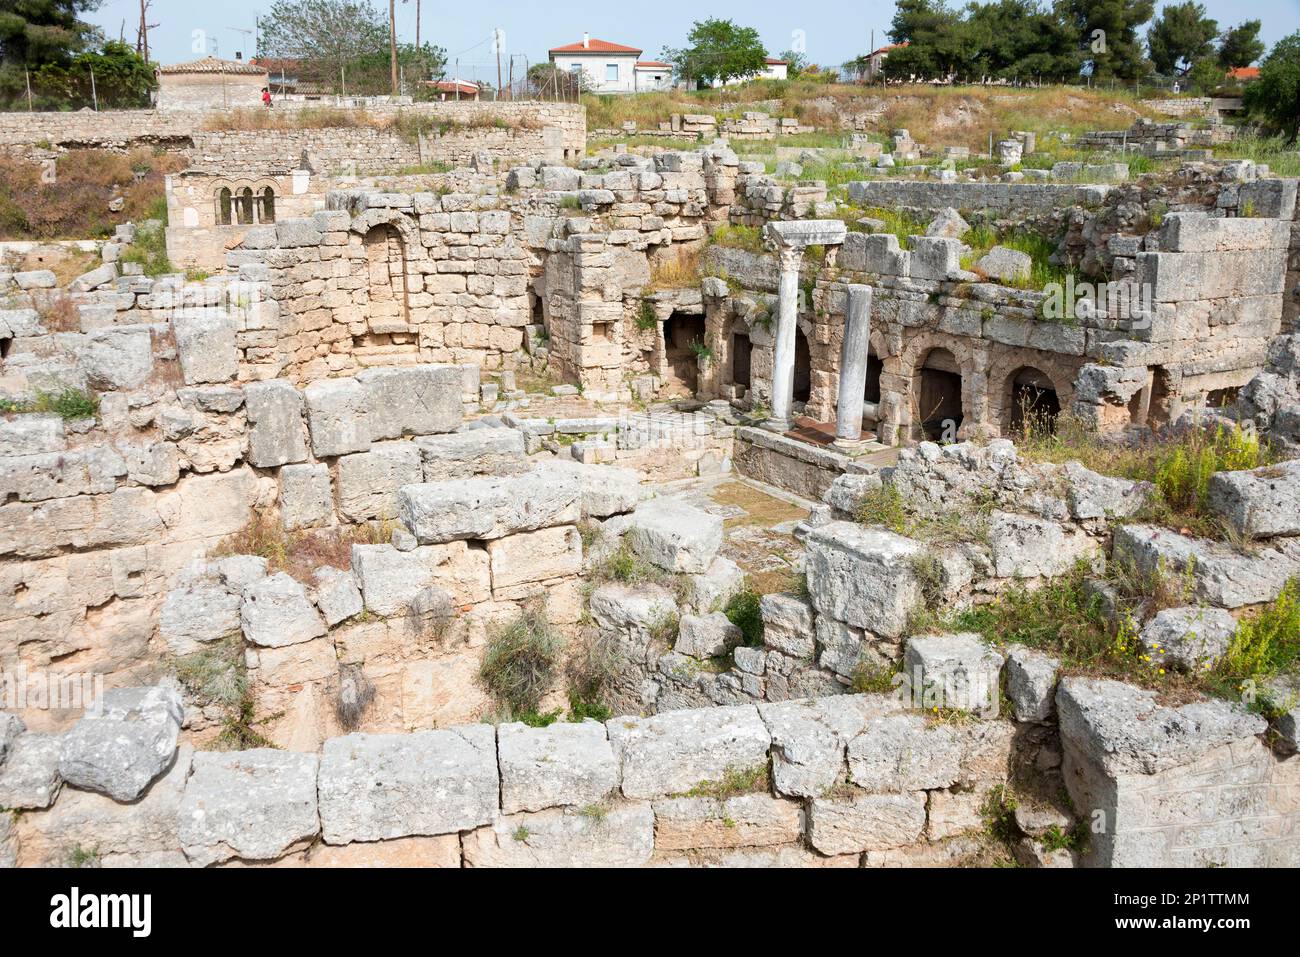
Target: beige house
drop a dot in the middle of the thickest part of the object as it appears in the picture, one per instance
(211, 84)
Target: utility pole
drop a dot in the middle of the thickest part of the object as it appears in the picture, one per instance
(392, 41)
(142, 32)
(496, 42)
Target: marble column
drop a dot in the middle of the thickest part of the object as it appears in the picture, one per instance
(787, 322)
(853, 367)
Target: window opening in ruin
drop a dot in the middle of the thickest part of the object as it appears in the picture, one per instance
(938, 400)
(802, 368)
(1034, 402)
(266, 213)
(742, 352)
(244, 207)
(5, 343)
(224, 207)
(1158, 409)
(683, 337)
(1220, 398)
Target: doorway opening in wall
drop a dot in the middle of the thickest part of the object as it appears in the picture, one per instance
(802, 368)
(938, 397)
(742, 356)
(683, 339)
(871, 391)
(1034, 404)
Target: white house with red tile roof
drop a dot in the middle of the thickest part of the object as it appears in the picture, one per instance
(606, 67)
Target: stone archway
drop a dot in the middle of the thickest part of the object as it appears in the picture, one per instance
(1030, 401)
(388, 306)
(938, 408)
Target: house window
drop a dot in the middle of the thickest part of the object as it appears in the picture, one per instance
(611, 72)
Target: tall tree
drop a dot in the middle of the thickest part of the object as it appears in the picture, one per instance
(1115, 51)
(939, 41)
(1241, 45)
(323, 35)
(718, 50)
(1181, 36)
(1022, 38)
(36, 32)
(1275, 97)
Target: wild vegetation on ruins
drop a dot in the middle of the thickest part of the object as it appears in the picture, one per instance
(793, 473)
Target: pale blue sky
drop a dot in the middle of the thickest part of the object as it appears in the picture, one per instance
(836, 30)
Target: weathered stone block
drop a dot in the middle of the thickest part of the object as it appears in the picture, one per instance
(488, 508)
(277, 435)
(415, 400)
(368, 481)
(675, 536)
(563, 764)
(338, 416)
(252, 805)
(620, 835)
(120, 747)
(863, 576)
(865, 822)
(810, 739)
(206, 347)
(958, 672)
(672, 753)
(376, 787)
(277, 612)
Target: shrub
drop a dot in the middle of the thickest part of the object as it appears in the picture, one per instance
(520, 661)
(1269, 642)
(69, 404)
(883, 505)
(591, 670)
(217, 675)
(744, 610)
(645, 316)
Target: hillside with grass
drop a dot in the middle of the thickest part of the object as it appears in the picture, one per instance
(73, 199)
(951, 116)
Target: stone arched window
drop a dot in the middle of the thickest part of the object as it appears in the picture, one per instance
(244, 206)
(224, 206)
(266, 206)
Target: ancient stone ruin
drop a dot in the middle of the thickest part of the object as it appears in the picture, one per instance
(473, 501)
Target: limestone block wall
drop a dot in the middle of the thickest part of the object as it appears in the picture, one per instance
(1007, 198)
(383, 279)
(199, 92)
(1193, 318)
(627, 793)
(510, 131)
(196, 237)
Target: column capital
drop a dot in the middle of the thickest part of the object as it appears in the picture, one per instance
(791, 258)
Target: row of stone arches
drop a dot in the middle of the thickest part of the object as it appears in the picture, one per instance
(246, 205)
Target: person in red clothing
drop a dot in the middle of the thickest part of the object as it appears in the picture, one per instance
(266, 96)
